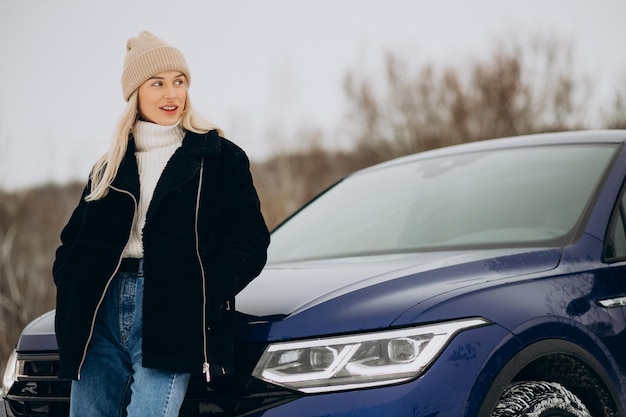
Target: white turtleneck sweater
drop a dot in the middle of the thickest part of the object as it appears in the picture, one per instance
(155, 144)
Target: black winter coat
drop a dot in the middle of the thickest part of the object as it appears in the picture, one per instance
(204, 240)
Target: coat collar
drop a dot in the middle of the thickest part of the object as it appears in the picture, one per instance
(127, 177)
(181, 167)
(202, 145)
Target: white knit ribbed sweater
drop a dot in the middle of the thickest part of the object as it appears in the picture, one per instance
(155, 144)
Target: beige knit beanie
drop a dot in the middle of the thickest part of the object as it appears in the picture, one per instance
(147, 55)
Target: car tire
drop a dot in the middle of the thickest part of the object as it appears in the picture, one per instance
(539, 399)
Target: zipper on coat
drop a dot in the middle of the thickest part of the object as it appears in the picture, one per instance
(206, 368)
(106, 288)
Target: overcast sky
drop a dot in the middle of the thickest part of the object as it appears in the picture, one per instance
(261, 69)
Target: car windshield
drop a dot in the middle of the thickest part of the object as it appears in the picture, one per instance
(528, 196)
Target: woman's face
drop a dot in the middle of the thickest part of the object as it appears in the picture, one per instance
(162, 98)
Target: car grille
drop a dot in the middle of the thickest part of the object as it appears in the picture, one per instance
(39, 392)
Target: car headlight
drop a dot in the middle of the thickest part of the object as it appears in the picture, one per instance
(10, 374)
(360, 360)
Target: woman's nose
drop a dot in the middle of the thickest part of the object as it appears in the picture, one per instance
(170, 92)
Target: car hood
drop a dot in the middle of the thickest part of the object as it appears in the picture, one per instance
(292, 300)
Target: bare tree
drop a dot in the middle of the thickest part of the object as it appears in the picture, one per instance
(520, 89)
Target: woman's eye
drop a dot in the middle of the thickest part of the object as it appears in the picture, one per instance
(157, 84)
(179, 82)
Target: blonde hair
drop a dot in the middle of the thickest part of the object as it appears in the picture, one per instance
(105, 169)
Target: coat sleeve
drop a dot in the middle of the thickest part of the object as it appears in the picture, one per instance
(68, 236)
(239, 249)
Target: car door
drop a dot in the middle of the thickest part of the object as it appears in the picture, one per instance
(615, 255)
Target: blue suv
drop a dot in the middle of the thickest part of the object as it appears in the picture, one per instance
(485, 279)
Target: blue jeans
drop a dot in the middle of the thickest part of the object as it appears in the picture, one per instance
(113, 383)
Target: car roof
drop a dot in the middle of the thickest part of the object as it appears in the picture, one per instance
(555, 138)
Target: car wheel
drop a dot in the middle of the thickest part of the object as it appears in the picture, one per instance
(539, 399)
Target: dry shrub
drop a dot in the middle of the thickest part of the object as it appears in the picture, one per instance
(285, 182)
(30, 222)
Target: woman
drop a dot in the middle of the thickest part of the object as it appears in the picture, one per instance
(167, 232)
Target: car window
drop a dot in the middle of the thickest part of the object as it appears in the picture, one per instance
(616, 237)
(506, 197)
